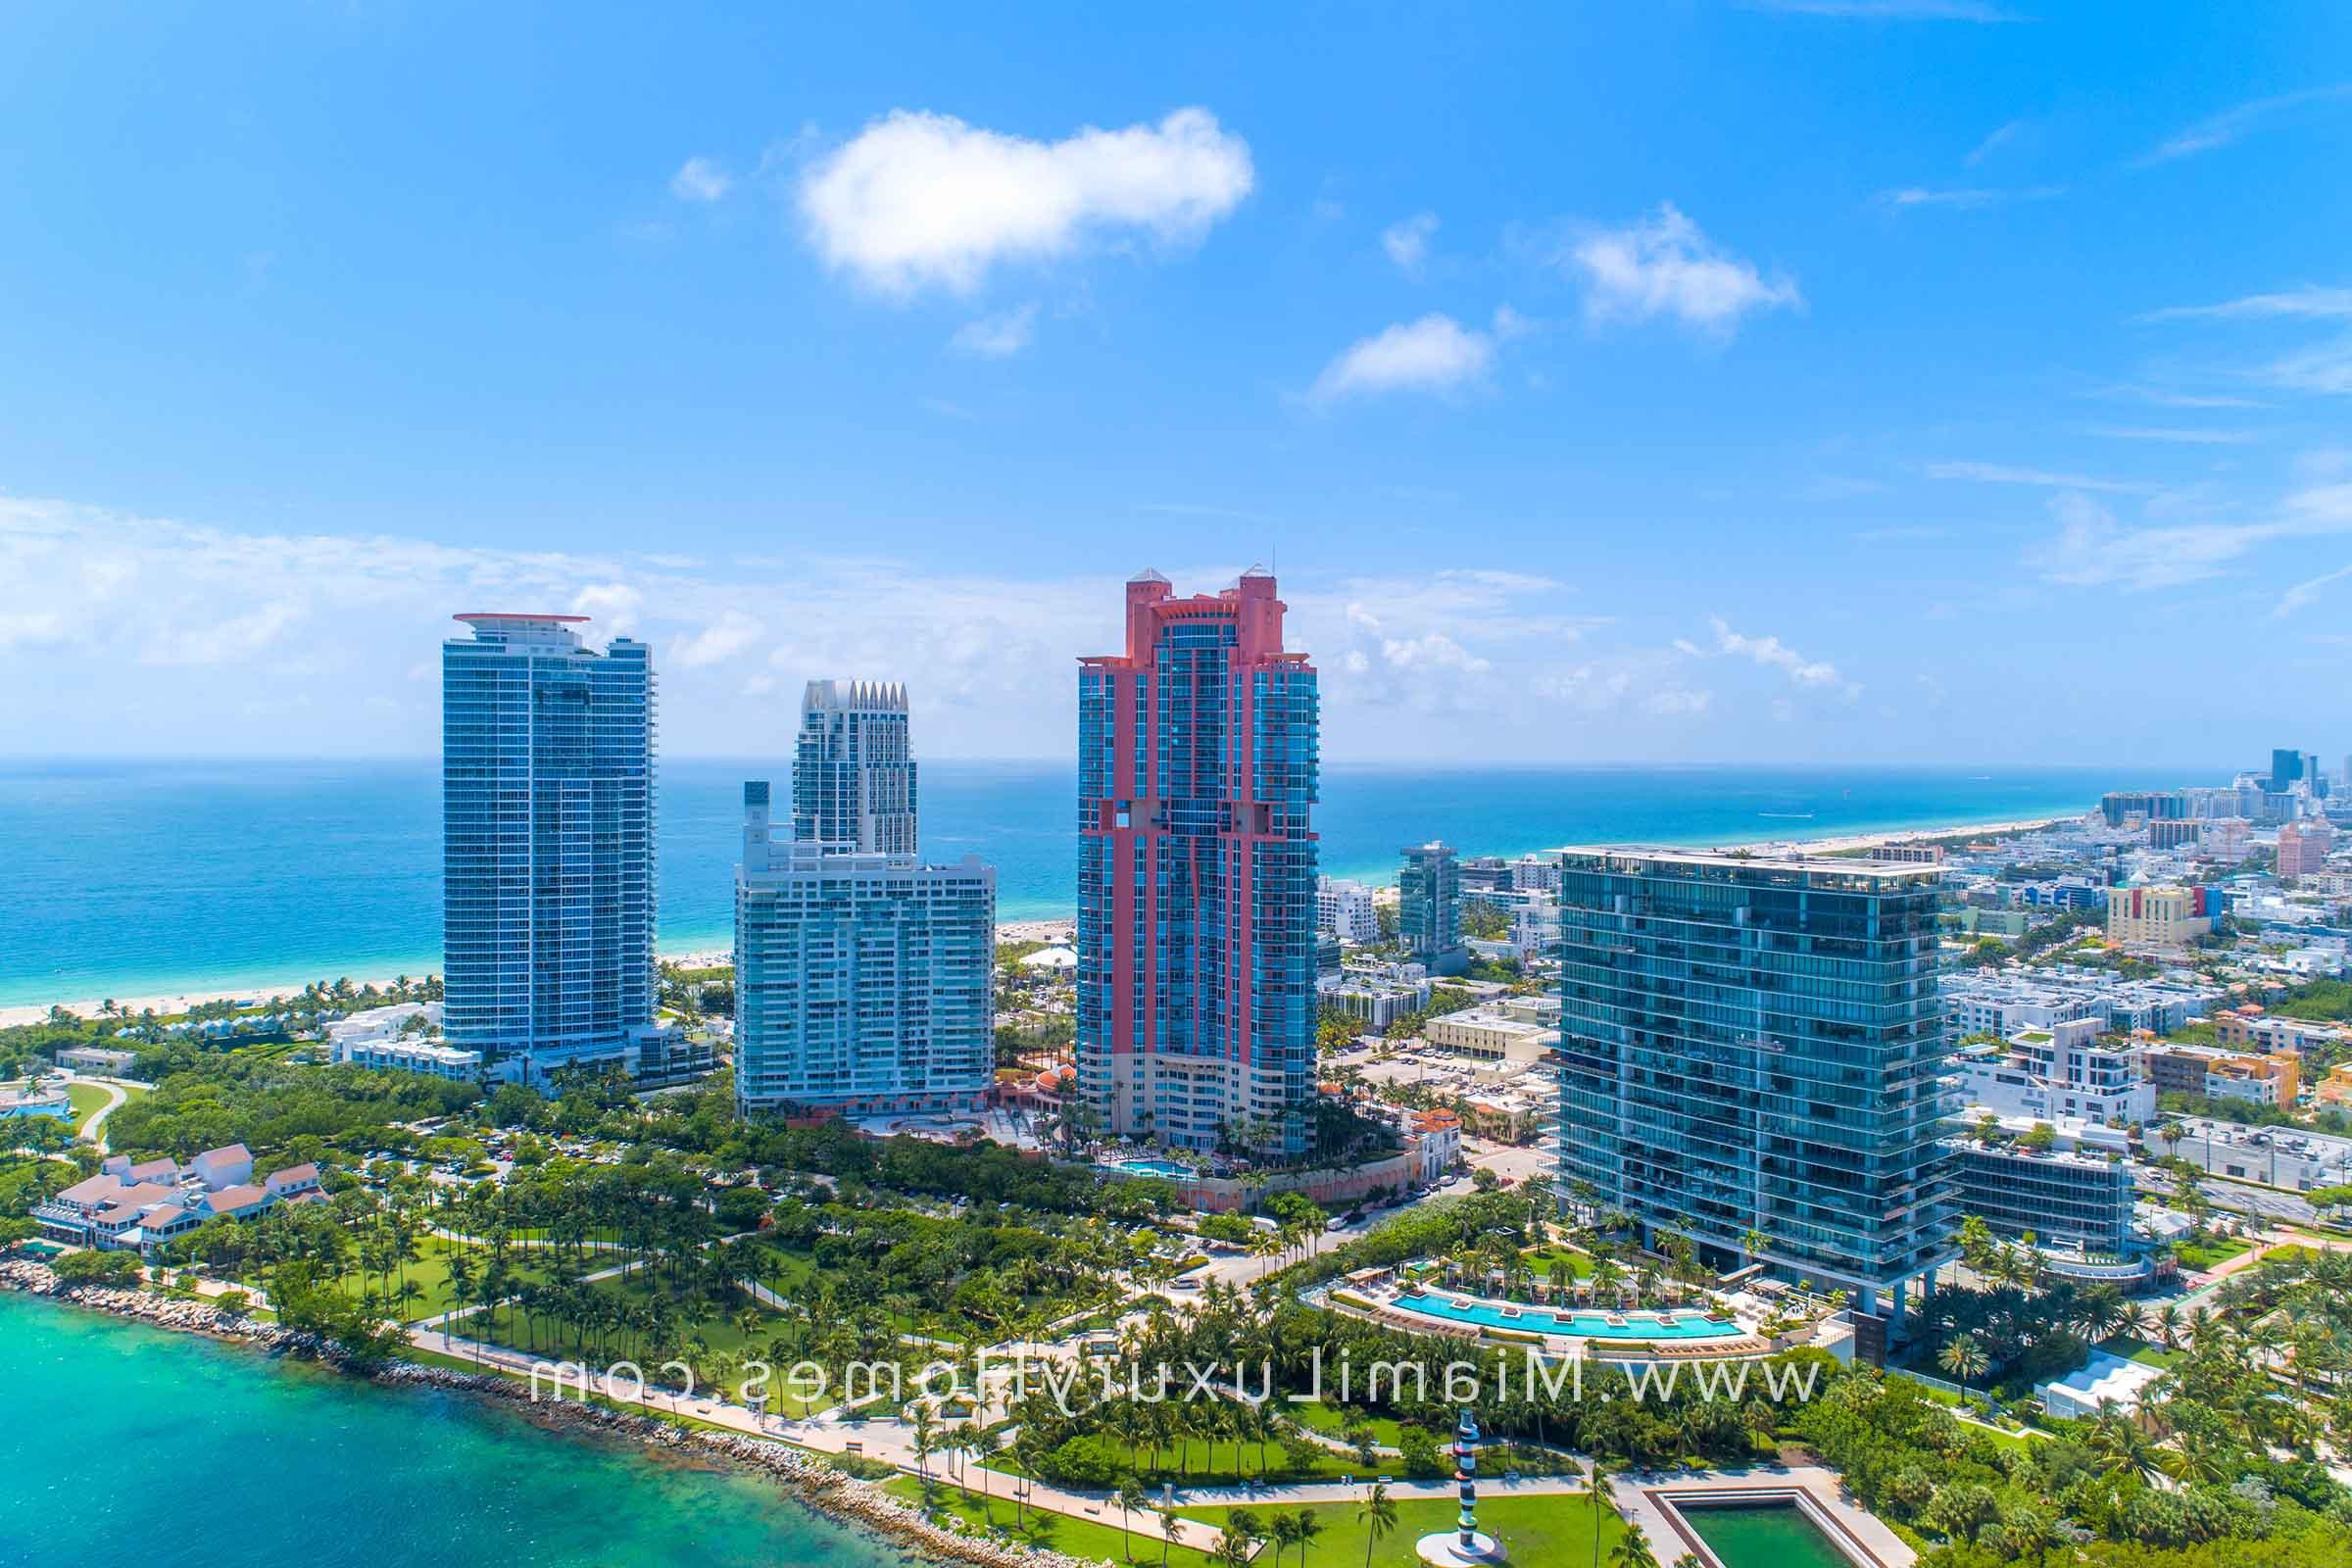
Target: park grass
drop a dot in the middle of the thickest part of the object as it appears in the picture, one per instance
(790, 1277)
(1333, 1421)
(88, 1100)
(1544, 1532)
(712, 1322)
(431, 1274)
(2213, 1254)
(2132, 1349)
(1091, 1540)
(1540, 1260)
(1195, 1464)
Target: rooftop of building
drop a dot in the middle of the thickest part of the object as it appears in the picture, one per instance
(865, 696)
(1740, 864)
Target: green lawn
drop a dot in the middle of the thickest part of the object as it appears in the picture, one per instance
(2135, 1350)
(712, 1322)
(1554, 1531)
(1200, 1464)
(1093, 1540)
(1580, 1264)
(430, 1275)
(789, 1278)
(2217, 1252)
(88, 1100)
(1333, 1421)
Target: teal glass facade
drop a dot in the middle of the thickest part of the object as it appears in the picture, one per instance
(1429, 908)
(548, 844)
(1757, 1046)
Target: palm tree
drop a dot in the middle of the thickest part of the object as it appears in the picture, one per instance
(1378, 1515)
(1631, 1550)
(984, 1445)
(1601, 1470)
(1282, 1530)
(1130, 1497)
(926, 1441)
(1304, 1528)
(1964, 1358)
(1169, 1523)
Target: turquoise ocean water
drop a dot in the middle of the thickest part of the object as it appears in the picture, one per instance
(147, 878)
(127, 1447)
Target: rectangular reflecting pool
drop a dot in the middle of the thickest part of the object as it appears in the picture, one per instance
(1763, 1534)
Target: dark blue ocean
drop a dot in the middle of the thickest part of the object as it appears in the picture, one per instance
(151, 878)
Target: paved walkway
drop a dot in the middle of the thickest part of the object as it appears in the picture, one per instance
(95, 1128)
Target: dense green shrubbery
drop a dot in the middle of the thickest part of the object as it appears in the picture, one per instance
(265, 1106)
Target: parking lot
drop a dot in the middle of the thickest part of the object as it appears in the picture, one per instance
(2288, 1157)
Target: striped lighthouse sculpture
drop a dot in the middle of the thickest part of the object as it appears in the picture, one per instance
(1467, 1545)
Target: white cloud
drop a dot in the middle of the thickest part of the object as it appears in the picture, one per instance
(1773, 653)
(732, 634)
(2001, 136)
(30, 628)
(1678, 701)
(2324, 369)
(1408, 242)
(2175, 435)
(614, 604)
(1967, 197)
(1662, 265)
(2230, 125)
(1434, 354)
(999, 336)
(701, 180)
(2003, 473)
(1889, 10)
(2304, 592)
(919, 200)
(2310, 301)
(2167, 398)
(2092, 549)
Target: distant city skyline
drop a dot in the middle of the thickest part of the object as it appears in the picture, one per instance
(1743, 383)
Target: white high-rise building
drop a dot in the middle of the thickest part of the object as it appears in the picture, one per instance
(852, 767)
(862, 980)
(546, 809)
(1344, 910)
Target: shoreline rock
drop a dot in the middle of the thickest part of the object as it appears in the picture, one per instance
(805, 1477)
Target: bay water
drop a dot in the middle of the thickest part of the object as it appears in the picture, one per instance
(130, 1446)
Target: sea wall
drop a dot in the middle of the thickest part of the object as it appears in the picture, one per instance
(809, 1478)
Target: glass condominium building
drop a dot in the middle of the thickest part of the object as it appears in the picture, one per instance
(547, 792)
(1429, 908)
(1197, 941)
(853, 769)
(863, 982)
(1751, 1056)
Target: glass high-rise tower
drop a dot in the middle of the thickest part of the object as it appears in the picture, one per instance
(852, 768)
(863, 981)
(1429, 908)
(1751, 1056)
(546, 790)
(1196, 778)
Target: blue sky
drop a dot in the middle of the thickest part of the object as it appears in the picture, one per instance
(1926, 380)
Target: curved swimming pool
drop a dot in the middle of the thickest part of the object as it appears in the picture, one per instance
(1586, 1325)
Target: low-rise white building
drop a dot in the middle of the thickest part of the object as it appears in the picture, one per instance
(2066, 1070)
(402, 1037)
(2108, 1381)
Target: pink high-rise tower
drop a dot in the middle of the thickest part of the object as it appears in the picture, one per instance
(1197, 773)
